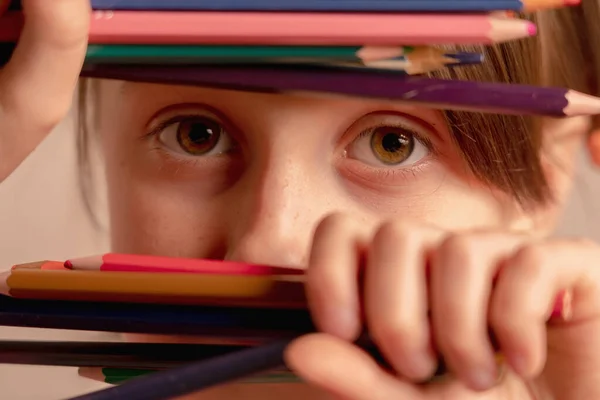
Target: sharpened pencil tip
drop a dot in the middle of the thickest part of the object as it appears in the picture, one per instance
(467, 58)
(531, 29)
(68, 264)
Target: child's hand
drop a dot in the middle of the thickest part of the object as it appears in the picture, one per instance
(469, 282)
(36, 86)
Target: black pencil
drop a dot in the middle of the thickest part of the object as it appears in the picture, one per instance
(197, 376)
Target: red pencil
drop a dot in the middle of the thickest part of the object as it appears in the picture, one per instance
(143, 263)
(271, 28)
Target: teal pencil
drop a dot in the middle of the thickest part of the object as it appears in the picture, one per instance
(418, 58)
(178, 54)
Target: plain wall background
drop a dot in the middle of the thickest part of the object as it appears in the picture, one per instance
(42, 217)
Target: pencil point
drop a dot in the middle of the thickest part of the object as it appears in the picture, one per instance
(531, 29)
(580, 104)
(85, 263)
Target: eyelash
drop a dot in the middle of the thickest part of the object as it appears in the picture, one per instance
(421, 138)
(163, 125)
(398, 173)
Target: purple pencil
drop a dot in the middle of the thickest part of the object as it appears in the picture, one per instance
(437, 93)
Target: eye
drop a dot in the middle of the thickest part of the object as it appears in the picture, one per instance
(196, 136)
(389, 146)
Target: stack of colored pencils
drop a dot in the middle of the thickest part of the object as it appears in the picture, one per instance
(244, 315)
(227, 307)
(367, 48)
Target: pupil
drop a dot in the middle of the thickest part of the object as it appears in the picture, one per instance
(200, 133)
(392, 142)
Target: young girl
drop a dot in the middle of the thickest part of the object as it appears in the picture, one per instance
(446, 211)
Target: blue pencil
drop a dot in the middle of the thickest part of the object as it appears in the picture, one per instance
(329, 5)
(237, 325)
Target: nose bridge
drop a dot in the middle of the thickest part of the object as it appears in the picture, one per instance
(275, 216)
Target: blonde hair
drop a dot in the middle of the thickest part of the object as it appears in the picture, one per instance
(502, 151)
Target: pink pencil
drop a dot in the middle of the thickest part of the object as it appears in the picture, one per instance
(278, 28)
(140, 263)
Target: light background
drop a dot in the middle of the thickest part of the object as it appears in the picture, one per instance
(42, 217)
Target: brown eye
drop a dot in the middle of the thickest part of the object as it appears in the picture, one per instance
(398, 144)
(196, 136)
(392, 145)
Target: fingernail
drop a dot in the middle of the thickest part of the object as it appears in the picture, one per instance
(422, 366)
(483, 379)
(341, 322)
(518, 364)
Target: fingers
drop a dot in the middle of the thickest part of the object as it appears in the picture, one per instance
(45, 65)
(332, 276)
(462, 270)
(37, 85)
(396, 300)
(526, 295)
(344, 370)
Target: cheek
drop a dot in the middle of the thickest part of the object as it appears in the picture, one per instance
(147, 219)
(150, 215)
(460, 206)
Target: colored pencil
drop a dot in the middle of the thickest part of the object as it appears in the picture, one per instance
(444, 94)
(116, 376)
(108, 354)
(143, 263)
(196, 376)
(332, 5)
(179, 54)
(35, 281)
(224, 325)
(131, 359)
(211, 325)
(331, 29)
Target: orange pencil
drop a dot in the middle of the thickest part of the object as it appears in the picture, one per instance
(51, 280)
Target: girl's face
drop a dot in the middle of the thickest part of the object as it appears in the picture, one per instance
(198, 172)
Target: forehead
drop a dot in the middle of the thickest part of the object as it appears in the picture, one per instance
(144, 98)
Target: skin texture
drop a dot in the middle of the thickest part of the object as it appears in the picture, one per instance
(295, 180)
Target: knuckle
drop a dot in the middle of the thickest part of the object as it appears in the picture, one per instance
(460, 249)
(530, 260)
(403, 234)
(65, 24)
(395, 232)
(332, 224)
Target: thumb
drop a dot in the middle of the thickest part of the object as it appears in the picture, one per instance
(344, 370)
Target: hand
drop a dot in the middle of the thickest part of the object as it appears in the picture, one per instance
(469, 283)
(37, 85)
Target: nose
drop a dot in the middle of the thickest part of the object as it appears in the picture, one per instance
(277, 209)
